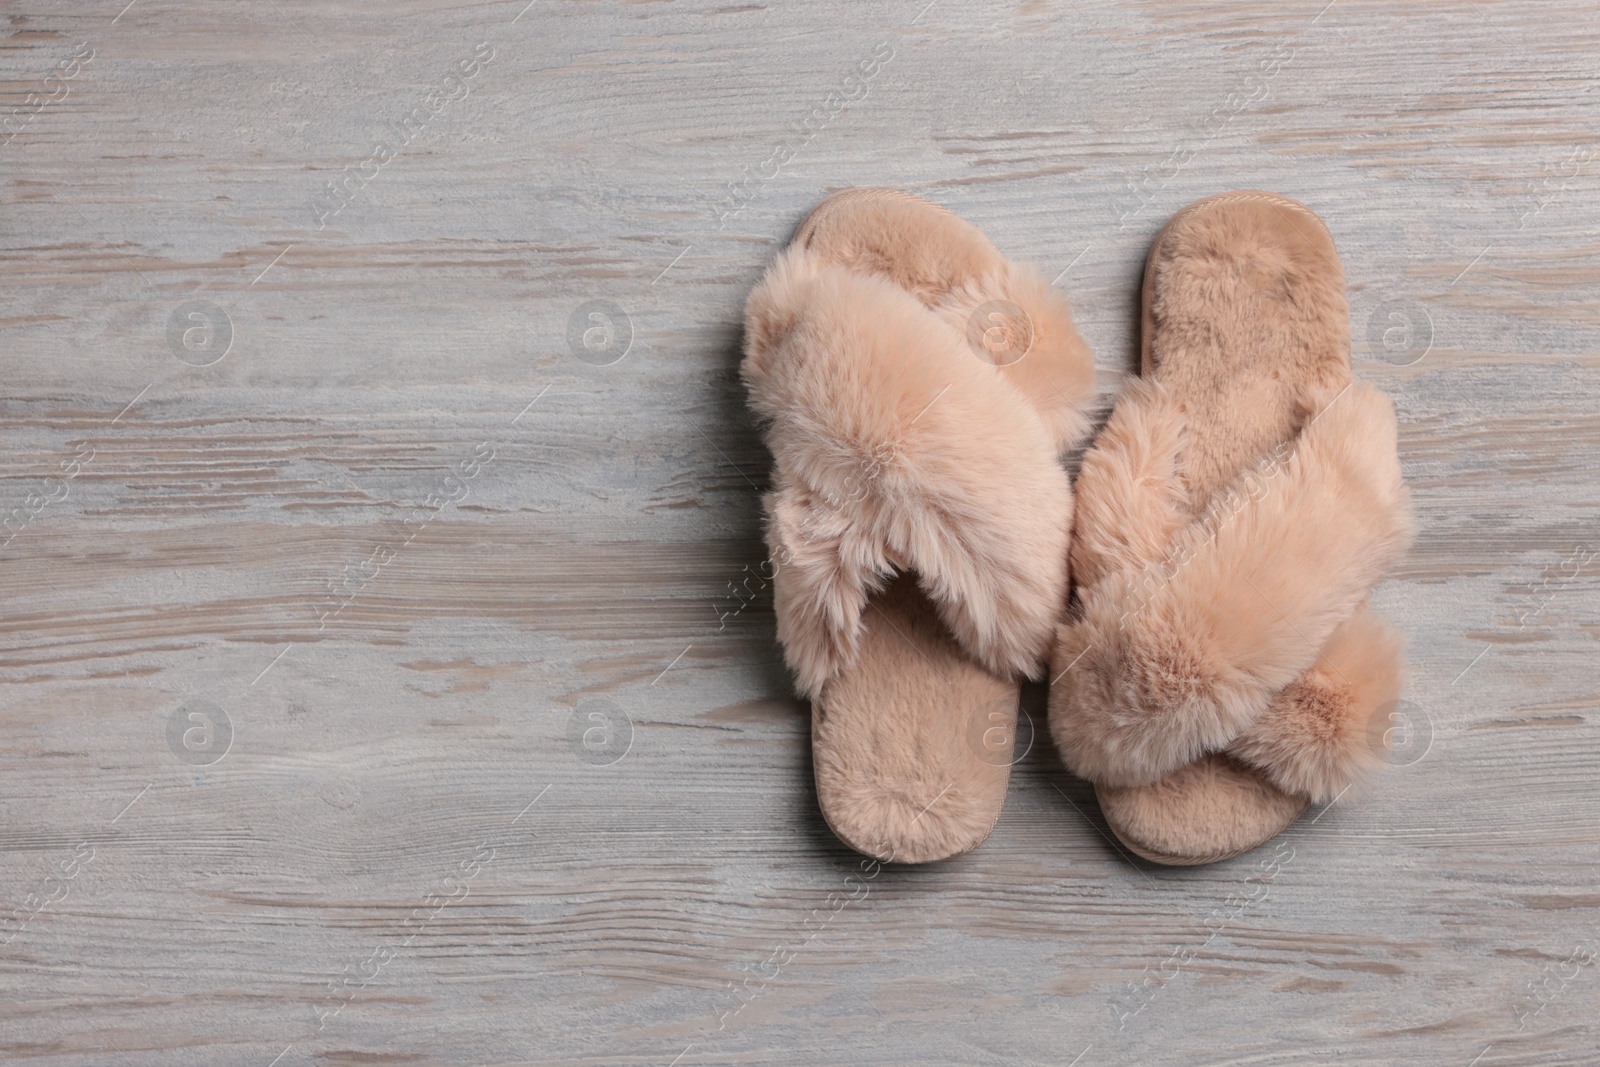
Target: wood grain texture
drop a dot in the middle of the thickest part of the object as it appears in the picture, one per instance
(408, 656)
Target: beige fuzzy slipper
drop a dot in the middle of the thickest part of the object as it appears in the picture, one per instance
(1223, 667)
(917, 391)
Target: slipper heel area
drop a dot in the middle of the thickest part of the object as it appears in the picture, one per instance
(912, 749)
(1209, 810)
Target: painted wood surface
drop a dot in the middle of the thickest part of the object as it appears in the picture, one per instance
(387, 674)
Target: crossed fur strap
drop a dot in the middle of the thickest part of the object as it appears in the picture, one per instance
(897, 447)
(1244, 629)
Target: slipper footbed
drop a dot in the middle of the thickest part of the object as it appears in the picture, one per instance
(912, 747)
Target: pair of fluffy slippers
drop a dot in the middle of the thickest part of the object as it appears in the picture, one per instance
(1217, 668)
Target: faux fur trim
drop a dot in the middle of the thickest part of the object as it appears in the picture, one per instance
(1130, 496)
(1179, 658)
(898, 448)
(1052, 367)
(1316, 736)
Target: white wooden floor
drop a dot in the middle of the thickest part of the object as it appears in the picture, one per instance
(387, 674)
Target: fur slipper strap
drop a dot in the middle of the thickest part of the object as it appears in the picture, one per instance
(897, 447)
(1192, 628)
